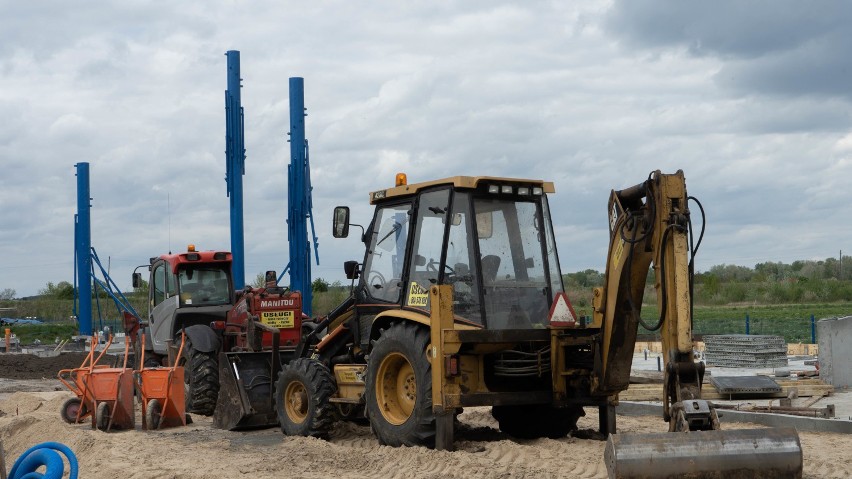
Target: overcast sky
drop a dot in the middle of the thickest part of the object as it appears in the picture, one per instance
(750, 99)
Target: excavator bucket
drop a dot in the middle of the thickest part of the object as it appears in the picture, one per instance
(246, 388)
(735, 454)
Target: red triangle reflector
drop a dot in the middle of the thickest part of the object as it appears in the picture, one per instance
(561, 312)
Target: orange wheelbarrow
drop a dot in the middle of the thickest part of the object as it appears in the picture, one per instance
(111, 390)
(76, 409)
(162, 392)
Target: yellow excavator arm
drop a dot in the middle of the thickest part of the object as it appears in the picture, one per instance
(650, 225)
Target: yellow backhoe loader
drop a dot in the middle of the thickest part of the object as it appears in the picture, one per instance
(460, 302)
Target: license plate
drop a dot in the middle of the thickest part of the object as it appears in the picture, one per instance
(278, 319)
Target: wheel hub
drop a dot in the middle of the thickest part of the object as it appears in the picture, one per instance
(396, 388)
(296, 402)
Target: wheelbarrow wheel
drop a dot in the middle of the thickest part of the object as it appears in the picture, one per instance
(301, 398)
(102, 416)
(71, 408)
(153, 414)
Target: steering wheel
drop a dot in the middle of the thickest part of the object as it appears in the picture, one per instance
(377, 281)
(430, 266)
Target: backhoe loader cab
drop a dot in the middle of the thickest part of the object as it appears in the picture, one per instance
(460, 303)
(491, 239)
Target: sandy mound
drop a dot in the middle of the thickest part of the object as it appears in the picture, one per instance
(201, 452)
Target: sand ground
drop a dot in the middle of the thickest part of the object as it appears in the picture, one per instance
(200, 451)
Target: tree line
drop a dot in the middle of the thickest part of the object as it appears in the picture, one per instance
(804, 281)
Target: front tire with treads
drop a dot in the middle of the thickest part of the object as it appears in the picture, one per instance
(399, 387)
(302, 394)
(202, 381)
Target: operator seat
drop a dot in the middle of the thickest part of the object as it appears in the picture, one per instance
(490, 265)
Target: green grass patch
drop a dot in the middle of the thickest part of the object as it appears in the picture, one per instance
(792, 321)
(46, 333)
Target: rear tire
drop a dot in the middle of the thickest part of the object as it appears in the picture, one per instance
(537, 420)
(202, 381)
(153, 414)
(301, 398)
(71, 408)
(102, 416)
(399, 387)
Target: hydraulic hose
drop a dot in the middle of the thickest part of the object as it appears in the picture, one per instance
(45, 454)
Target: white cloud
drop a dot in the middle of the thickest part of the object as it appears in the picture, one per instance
(539, 90)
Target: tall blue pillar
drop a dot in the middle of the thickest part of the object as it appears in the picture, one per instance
(297, 183)
(83, 250)
(235, 155)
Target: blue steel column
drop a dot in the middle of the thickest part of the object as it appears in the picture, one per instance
(235, 155)
(83, 250)
(297, 231)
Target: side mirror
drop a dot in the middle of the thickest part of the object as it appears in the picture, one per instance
(351, 269)
(340, 227)
(137, 280)
(271, 279)
(419, 260)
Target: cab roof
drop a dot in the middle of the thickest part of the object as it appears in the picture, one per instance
(195, 257)
(460, 182)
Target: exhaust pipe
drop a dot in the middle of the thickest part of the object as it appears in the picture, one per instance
(745, 453)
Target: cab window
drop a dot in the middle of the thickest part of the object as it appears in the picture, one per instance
(386, 252)
(158, 280)
(425, 264)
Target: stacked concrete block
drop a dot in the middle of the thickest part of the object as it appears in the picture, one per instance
(744, 351)
(835, 351)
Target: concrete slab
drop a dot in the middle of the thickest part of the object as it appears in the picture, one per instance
(629, 408)
(835, 345)
(841, 398)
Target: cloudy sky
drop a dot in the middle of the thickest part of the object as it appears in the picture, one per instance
(750, 99)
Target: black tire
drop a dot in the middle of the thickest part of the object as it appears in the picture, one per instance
(71, 408)
(202, 381)
(153, 414)
(399, 387)
(301, 398)
(102, 416)
(537, 420)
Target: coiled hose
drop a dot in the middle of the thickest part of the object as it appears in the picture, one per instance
(44, 454)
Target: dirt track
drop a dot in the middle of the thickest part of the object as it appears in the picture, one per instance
(28, 366)
(202, 452)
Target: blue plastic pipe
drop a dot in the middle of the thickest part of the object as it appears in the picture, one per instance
(44, 455)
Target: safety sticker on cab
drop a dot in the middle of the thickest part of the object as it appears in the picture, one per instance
(417, 295)
(278, 319)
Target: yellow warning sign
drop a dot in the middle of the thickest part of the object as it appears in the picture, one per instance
(278, 319)
(417, 295)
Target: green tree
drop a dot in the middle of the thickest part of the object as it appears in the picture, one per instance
(63, 290)
(259, 281)
(319, 286)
